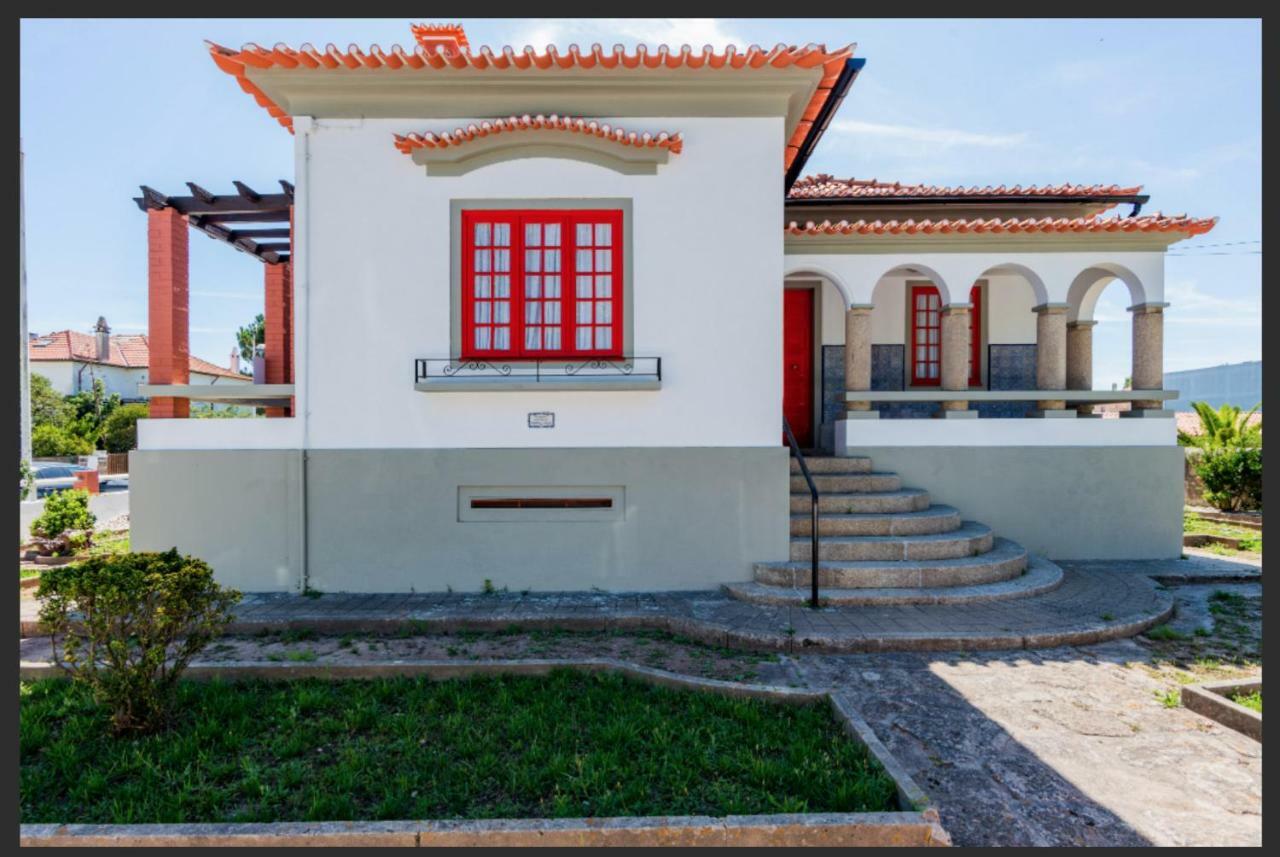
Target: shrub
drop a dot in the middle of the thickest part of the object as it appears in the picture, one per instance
(66, 522)
(26, 479)
(1232, 478)
(120, 431)
(50, 441)
(1226, 426)
(128, 625)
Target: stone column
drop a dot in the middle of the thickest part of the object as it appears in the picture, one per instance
(1051, 354)
(857, 357)
(1080, 360)
(1148, 351)
(955, 357)
(168, 296)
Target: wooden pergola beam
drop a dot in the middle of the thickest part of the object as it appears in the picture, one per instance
(211, 213)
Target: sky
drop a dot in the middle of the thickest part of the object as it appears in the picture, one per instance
(108, 105)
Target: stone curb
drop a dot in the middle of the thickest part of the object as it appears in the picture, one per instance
(1212, 699)
(917, 825)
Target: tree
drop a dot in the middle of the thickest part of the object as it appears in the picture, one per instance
(120, 431)
(251, 336)
(50, 441)
(48, 406)
(90, 409)
(1223, 428)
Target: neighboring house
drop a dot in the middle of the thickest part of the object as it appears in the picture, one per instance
(1238, 384)
(72, 361)
(610, 284)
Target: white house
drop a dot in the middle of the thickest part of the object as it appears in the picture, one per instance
(72, 361)
(610, 284)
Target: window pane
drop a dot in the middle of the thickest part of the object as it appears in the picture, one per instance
(604, 234)
(502, 234)
(551, 312)
(551, 336)
(552, 285)
(933, 370)
(501, 312)
(532, 340)
(920, 352)
(583, 339)
(604, 286)
(482, 287)
(584, 312)
(551, 235)
(533, 260)
(532, 286)
(501, 338)
(551, 260)
(533, 234)
(532, 312)
(920, 304)
(482, 235)
(933, 336)
(604, 260)
(502, 287)
(584, 260)
(604, 312)
(502, 260)
(604, 337)
(584, 234)
(482, 312)
(482, 260)
(922, 319)
(584, 287)
(482, 338)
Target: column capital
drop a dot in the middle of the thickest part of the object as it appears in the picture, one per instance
(1050, 309)
(1078, 325)
(860, 308)
(956, 308)
(1150, 306)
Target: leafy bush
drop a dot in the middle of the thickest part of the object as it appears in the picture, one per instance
(1225, 427)
(120, 431)
(50, 441)
(66, 522)
(1232, 478)
(128, 625)
(26, 479)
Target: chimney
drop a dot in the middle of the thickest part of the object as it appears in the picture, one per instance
(234, 363)
(448, 39)
(103, 334)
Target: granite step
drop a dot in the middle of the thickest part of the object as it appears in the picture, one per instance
(846, 483)
(935, 519)
(833, 464)
(869, 502)
(1005, 560)
(1040, 577)
(970, 539)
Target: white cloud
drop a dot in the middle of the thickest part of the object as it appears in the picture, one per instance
(694, 32)
(945, 137)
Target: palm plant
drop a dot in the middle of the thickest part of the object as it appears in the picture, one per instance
(1225, 427)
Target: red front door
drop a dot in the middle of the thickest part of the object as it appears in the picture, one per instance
(797, 363)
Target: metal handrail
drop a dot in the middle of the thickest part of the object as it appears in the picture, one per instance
(813, 513)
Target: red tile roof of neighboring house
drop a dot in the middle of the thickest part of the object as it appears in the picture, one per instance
(444, 57)
(1146, 223)
(128, 352)
(824, 186)
(459, 136)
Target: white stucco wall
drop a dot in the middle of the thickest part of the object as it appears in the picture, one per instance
(707, 251)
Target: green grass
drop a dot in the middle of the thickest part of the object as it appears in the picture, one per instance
(1171, 698)
(1251, 540)
(24, 573)
(1165, 632)
(566, 745)
(108, 544)
(1252, 701)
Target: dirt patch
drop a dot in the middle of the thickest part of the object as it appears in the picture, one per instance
(1216, 633)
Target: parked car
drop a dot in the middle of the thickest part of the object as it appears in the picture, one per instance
(53, 476)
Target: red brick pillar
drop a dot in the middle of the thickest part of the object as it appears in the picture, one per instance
(293, 400)
(168, 296)
(277, 327)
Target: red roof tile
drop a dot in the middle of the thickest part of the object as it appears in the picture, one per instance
(442, 57)
(459, 136)
(824, 186)
(1188, 226)
(126, 351)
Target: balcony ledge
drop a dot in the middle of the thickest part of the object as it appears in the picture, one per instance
(486, 384)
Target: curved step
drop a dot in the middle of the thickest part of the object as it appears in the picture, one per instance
(878, 502)
(1005, 560)
(847, 483)
(833, 464)
(1040, 577)
(935, 519)
(970, 539)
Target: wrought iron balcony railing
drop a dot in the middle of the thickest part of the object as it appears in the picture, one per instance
(632, 373)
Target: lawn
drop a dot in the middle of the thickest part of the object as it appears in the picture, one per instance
(1251, 540)
(1252, 701)
(563, 746)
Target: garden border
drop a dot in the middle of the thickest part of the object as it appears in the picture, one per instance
(1213, 700)
(915, 824)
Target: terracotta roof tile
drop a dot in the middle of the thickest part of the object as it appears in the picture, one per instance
(824, 186)
(459, 136)
(1046, 225)
(128, 351)
(442, 57)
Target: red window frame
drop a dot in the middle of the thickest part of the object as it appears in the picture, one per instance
(584, 295)
(929, 319)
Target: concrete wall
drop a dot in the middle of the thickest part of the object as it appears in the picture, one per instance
(703, 302)
(388, 520)
(1062, 502)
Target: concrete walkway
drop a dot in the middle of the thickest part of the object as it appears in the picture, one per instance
(1092, 604)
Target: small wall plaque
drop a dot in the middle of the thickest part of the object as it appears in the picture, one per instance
(542, 419)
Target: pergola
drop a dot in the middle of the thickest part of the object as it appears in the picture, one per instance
(259, 224)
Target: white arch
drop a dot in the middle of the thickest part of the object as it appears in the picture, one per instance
(1033, 279)
(915, 269)
(1089, 284)
(800, 270)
